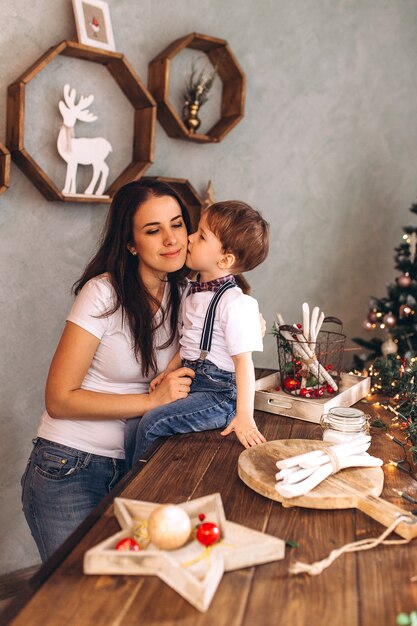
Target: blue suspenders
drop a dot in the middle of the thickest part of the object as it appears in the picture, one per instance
(207, 334)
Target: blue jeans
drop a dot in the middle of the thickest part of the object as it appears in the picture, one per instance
(60, 487)
(211, 404)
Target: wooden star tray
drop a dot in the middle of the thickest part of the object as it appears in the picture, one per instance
(190, 572)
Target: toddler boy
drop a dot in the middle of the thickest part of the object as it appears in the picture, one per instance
(220, 329)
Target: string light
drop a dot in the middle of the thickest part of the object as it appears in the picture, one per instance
(395, 440)
(398, 465)
(406, 496)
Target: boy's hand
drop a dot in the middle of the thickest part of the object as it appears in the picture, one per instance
(246, 431)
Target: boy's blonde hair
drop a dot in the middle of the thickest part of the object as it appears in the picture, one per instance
(242, 231)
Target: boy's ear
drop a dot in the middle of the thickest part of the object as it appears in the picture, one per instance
(227, 261)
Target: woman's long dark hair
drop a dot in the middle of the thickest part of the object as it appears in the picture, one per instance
(113, 257)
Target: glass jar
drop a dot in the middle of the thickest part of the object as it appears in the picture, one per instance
(341, 424)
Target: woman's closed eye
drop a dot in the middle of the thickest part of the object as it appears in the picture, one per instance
(154, 231)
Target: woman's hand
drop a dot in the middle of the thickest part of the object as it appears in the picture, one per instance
(174, 364)
(157, 380)
(173, 386)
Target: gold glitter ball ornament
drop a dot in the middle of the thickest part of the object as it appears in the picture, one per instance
(169, 527)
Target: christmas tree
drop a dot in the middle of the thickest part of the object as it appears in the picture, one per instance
(396, 312)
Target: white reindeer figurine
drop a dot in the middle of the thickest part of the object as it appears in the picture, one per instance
(81, 151)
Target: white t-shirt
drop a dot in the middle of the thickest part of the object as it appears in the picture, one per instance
(236, 328)
(114, 369)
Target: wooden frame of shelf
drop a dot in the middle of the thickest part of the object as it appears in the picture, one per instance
(230, 73)
(4, 169)
(184, 188)
(132, 87)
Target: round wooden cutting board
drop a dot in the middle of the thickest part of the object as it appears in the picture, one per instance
(257, 468)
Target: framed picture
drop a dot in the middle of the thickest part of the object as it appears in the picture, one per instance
(92, 18)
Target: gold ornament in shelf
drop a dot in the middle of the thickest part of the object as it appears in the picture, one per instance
(195, 95)
(192, 571)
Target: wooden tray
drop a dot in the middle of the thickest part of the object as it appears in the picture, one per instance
(356, 487)
(186, 570)
(352, 389)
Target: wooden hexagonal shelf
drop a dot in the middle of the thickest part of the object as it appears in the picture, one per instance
(230, 73)
(191, 199)
(4, 168)
(132, 87)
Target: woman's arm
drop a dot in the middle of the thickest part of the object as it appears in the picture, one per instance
(243, 423)
(65, 399)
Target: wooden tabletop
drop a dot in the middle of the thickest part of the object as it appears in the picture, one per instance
(363, 589)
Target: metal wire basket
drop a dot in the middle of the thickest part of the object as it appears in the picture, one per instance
(311, 369)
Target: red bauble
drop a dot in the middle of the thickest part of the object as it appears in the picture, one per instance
(329, 389)
(405, 311)
(201, 517)
(404, 281)
(372, 317)
(389, 320)
(128, 545)
(208, 533)
(290, 384)
(319, 392)
(304, 392)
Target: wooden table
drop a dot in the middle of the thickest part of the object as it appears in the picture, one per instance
(365, 589)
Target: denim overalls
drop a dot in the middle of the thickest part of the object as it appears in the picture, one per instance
(210, 404)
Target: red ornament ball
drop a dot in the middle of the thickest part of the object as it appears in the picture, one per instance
(404, 280)
(201, 517)
(405, 310)
(372, 317)
(290, 384)
(128, 545)
(208, 533)
(329, 389)
(389, 320)
(304, 392)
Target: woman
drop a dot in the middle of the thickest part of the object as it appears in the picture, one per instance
(122, 330)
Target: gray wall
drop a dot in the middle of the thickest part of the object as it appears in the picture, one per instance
(327, 150)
